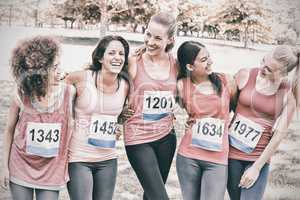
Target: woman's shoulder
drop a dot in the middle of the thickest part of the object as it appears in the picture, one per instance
(132, 65)
(76, 76)
(242, 77)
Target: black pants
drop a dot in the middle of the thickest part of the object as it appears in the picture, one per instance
(151, 163)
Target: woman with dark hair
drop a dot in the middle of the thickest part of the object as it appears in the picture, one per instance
(203, 153)
(101, 93)
(149, 136)
(264, 110)
(39, 125)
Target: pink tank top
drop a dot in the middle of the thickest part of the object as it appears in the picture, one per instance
(202, 106)
(260, 109)
(32, 165)
(95, 113)
(152, 101)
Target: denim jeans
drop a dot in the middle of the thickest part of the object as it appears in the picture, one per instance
(151, 163)
(92, 180)
(201, 179)
(236, 169)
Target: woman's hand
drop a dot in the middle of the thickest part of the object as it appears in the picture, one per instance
(126, 113)
(189, 123)
(4, 178)
(249, 177)
(118, 131)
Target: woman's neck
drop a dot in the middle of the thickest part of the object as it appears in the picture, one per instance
(196, 79)
(157, 58)
(107, 81)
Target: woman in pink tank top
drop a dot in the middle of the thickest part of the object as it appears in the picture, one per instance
(264, 110)
(101, 93)
(39, 123)
(149, 136)
(203, 152)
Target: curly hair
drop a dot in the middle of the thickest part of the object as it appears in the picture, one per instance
(30, 64)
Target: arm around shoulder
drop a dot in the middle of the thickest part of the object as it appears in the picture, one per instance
(75, 77)
(132, 66)
(241, 78)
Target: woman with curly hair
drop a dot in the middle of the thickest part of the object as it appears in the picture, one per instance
(35, 153)
(101, 92)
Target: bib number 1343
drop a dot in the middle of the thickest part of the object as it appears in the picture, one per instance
(244, 134)
(43, 139)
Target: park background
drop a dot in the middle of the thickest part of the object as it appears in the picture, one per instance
(238, 34)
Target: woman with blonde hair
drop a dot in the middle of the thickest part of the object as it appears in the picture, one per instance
(149, 135)
(264, 110)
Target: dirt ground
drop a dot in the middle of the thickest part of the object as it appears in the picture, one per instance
(284, 177)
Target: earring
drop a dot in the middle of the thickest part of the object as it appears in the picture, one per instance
(189, 67)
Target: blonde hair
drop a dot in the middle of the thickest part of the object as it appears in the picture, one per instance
(289, 58)
(169, 21)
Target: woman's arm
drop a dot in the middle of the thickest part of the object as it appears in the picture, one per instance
(132, 67)
(233, 89)
(179, 93)
(75, 77)
(12, 120)
(280, 131)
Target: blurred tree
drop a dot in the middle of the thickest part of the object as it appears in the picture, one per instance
(212, 30)
(91, 12)
(136, 13)
(232, 34)
(246, 16)
(70, 10)
(191, 16)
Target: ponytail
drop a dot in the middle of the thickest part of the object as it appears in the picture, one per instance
(216, 82)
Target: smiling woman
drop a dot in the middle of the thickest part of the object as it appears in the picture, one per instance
(149, 136)
(264, 110)
(35, 153)
(101, 93)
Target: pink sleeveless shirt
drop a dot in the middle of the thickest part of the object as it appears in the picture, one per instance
(90, 103)
(261, 109)
(152, 101)
(200, 106)
(27, 166)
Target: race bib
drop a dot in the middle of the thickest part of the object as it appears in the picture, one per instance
(244, 134)
(207, 133)
(102, 131)
(42, 139)
(157, 104)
